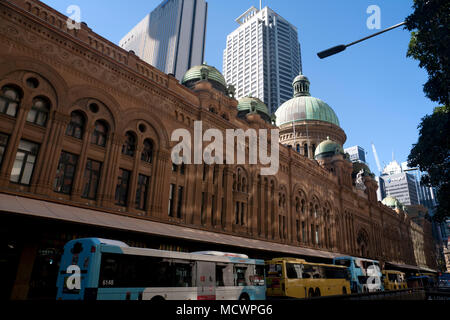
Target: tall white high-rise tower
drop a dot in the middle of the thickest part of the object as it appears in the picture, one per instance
(262, 57)
(172, 37)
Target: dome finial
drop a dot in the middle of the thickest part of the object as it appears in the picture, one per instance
(301, 86)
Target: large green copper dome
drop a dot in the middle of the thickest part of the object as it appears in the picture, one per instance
(204, 72)
(304, 107)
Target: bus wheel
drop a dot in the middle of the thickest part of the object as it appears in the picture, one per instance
(317, 293)
(244, 297)
(344, 290)
(310, 293)
(157, 299)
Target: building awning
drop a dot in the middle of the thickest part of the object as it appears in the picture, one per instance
(45, 209)
(410, 267)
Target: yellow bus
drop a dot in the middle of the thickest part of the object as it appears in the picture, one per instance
(296, 278)
(394, 280)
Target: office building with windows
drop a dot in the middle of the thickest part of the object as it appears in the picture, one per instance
(394, 182)
(357, 154)
(172, 37)
(262, 57)
(425, 194)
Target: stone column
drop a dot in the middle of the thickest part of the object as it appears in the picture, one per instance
(77, 187)
(47, 165)
(134, 178)
(108, 190)
(192, 181)
(13, 142)
(197, 195)
(229, 198)
(105, 177)
(254, 205)
(160, 195)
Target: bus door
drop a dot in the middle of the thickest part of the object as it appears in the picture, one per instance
(274, 278)
(206, 280)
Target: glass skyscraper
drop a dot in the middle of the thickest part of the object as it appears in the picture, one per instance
(172, 37)
(262, 57)
(357, 154)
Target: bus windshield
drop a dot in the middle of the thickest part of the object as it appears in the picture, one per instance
(274, 270)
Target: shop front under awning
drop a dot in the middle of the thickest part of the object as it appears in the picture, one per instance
(410, 267)
(49, 210)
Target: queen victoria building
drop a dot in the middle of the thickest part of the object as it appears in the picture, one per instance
(85, 150)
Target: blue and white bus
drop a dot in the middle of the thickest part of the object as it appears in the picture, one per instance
(100, 269)
(365, 273)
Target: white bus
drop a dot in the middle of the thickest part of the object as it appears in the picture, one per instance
(99, 269)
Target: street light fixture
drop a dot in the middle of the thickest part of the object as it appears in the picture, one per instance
(342, 47)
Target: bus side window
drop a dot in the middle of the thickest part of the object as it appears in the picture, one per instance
(318, 272)
(183, 274)
(294, 271)
(219, 275)
(240, 276)
(258, 279)
(228, 278)
(308, 272)
(290, 271)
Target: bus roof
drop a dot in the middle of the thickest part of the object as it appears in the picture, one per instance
(302, 261)
(354, 258)
(98, 241)
(392, 271)
(114, 246)
(221, 254)
(179, 255)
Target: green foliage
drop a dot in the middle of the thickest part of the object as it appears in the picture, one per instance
(430, 45)
(432, 155)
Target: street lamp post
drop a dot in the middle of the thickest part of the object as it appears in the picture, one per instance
(342, 47)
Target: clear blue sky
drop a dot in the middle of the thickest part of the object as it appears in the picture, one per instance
(374, 89)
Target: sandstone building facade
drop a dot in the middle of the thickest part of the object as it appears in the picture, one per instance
(85, 150)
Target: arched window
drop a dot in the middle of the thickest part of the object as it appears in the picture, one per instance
(10, 100)
(76, 126)
(305, 150)
(100, 134)
(147, 153)
(298, 148)
(39, 111)
(129, 146)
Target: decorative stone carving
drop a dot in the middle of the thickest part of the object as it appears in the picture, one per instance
(360, 181)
